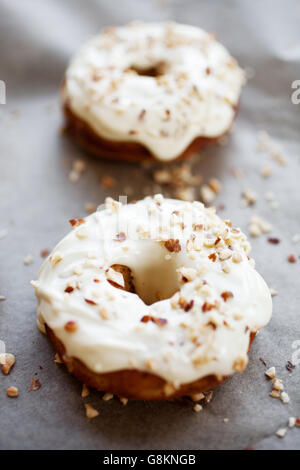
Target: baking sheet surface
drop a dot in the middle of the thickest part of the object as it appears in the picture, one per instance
(37, 198)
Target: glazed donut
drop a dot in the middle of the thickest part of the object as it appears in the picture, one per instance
(152, 300)
(150, 90)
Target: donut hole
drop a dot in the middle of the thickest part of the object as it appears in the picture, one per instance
(152, 281)
(155, 70)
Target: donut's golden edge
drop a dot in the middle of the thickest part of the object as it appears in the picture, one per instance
(131, 383)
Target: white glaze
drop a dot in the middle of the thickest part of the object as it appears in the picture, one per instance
(187, 347)
(195, 97)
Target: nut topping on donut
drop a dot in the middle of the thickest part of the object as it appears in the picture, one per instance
(71, 326)
(173, 245)
(226, 295)
(75, 222)
(143, 310)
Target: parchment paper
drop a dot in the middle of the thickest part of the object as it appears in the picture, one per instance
(37, 38)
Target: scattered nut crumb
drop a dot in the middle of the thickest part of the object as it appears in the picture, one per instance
(197, 396)
(296, 238)
(108, 182)
(275, 394)
(266, 171)
(57, 359)
(257, 226)
(107, 396)
(289, 366)
(292, 422)
(271, 372)
(215, 185)
(281, 432)
(208, 397)
(197, 407)
(35, 385)
(44, 252)
(90, 411)
(12, 392)
(85, 391)
(249, 197)
(284, 397)
(28, 259)
(185, 194)
(7, 361)
(90, 207)
(277, 384)
(207, 194)
(123, 400)
(79, 166)
(273, 240)
(292, 259)
(265, 144)
(2, 297)
(74, 176)
(273, 292)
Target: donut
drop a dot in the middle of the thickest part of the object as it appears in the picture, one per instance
(150, 91)
(152, 300)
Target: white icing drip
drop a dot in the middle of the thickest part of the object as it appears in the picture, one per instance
(110, 335)
(196, 96)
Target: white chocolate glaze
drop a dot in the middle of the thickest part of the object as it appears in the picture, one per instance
(213, 297)
(196, 96)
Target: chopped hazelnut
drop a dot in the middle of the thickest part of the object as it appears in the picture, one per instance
(281, 432)
(35, 384)
(107, 396)
(7, 361)
(85, 391)
(123, 400)
(271, 372)
(71, 326)
(12, 392)
(197, 408)
(284, 398)
(90, 411)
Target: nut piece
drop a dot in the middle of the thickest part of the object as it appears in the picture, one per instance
(90, 411)
(7, 361)
(197, 396)
(57, 359)
(12, 392)
(266, 171)
(85, 391)
(207, 194)
(35, 385)
(28, 259)
(197, 408)
(123, 400)
(277, 384)
(270, 373)
(115, 277)
(292, 422)
(240, 363)
(71, 326)
(173, 245)
(284, 398)
(107, 396)
(281, 432)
